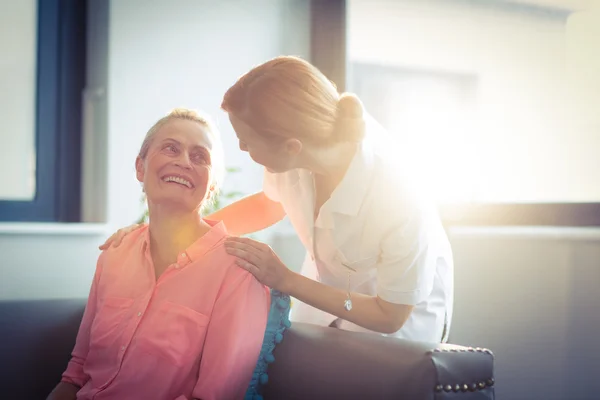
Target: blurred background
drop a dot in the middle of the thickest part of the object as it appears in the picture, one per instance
(496, 102)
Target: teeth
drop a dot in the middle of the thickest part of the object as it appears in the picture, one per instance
(179, 180)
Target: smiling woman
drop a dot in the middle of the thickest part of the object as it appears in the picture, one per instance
(170, 318)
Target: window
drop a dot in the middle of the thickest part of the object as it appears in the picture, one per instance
(403, 101)
(493, 100)
(42, 78)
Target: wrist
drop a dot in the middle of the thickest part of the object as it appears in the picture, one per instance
(288, 283)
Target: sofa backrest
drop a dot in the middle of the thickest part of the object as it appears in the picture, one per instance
(36, 340)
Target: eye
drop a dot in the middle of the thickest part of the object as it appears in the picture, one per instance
(170, 148)
(200, 158)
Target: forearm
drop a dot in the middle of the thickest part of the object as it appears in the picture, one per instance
(368, 312)
(250, 214)
(64, 391)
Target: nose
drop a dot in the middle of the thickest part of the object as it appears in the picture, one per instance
(243, 146)
(184, 160)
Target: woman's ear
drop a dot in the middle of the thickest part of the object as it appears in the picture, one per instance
(293, 146)
(139, 169)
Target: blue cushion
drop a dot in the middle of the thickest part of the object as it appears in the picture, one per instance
(277, 323)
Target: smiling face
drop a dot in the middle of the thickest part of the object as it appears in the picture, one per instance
(176, 169)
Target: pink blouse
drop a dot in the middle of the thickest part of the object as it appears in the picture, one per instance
(196, 333)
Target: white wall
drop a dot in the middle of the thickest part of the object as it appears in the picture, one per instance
(146, 57)
(531, 296)
(48, 261)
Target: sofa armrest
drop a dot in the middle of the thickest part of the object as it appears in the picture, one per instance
(461, 370)
(314, 362)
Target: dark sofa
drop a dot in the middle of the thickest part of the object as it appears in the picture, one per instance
(36, 338)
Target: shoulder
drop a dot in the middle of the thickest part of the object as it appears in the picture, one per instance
(135, 240)
(233, 274)
(398, 205)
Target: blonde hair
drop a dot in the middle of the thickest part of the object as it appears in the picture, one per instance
(287, 97)
(217, 166)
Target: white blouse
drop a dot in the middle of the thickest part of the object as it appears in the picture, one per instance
(376, 233)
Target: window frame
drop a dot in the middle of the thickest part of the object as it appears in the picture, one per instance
(60, 80)
(329, 54)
